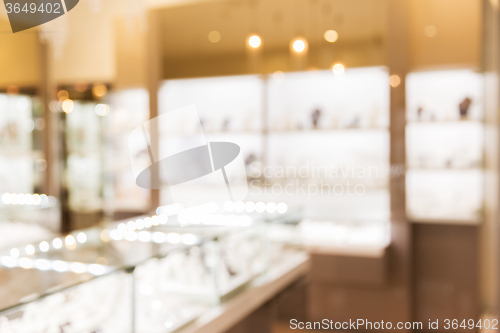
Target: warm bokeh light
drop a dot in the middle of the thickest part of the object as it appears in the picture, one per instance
(299, 45)
(67, 106)
(430, 31)
(254, 41)
(99, 90)
(338, 69)
(13, 89)
(394, 80)
(214, 36)
(70, 240)
(62, 95)
(81, 86)
(102, 110)
(331, 36)
(30, 250)
(44, 246)
(105, 237)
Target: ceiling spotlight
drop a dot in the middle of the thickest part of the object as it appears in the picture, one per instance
(214, 36)
(331, 36)
(299, 45)
(99, 90)
(254, 41)
(338, 69)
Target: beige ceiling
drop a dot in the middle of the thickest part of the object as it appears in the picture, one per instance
(276, 21)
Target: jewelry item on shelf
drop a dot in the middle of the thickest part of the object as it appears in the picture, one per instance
(420, 112)
(355, 122)
(464, 107)
(225, 124)
(315, 118)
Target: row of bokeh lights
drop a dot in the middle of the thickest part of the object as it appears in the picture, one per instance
(133, 231)
(228, 207)
(298, 45)
(41, 200)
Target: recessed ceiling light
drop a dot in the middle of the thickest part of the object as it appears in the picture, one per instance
(331, 36)
(254, 41)
(299, 45)
(214, 36)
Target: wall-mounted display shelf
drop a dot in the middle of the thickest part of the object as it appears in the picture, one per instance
(337, 128)
(445, 144)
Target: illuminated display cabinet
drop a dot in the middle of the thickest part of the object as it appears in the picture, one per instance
(303, 112)
(445, 144)
(26, 214)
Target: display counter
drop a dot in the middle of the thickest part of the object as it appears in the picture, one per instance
(149, 274)
(154, 278)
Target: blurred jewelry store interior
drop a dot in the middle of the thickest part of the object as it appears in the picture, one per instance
(353, 155)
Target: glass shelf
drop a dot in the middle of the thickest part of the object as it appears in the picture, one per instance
(442, 146)
(445, 195)
(439, 96)
(230, 103)
(356, 237)
(360, 98)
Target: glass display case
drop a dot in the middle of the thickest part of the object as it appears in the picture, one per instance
(100, 305)
(338, 130)
(232, 254)
(84, 157)
(445, 144)
(236, 255)
(25, 213)
(128, 109)
(119, 279)
(17, 155)
(230, 109)
(142, 273)
(295, 233)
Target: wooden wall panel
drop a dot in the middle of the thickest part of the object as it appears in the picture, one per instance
(349, 270)
(490, 230)
(457, 41)
(446, 272)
